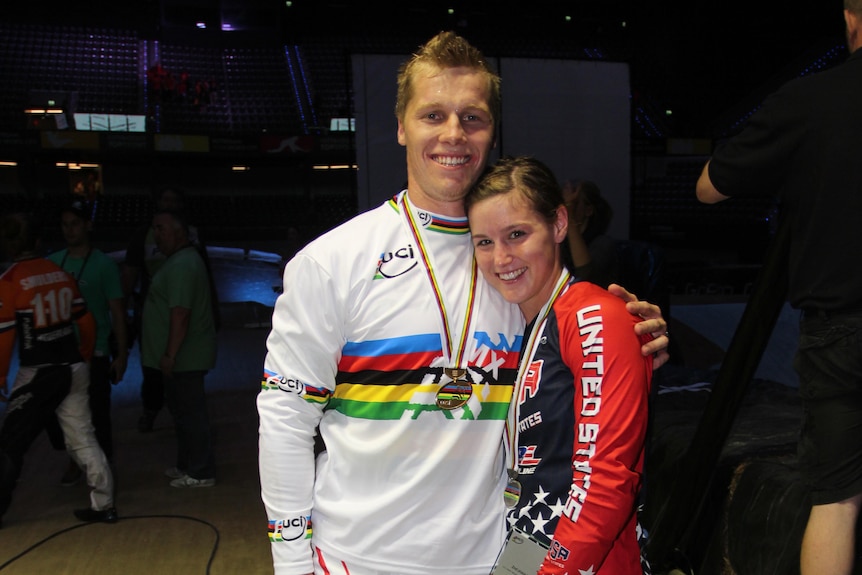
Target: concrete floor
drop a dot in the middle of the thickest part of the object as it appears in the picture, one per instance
(161, 529)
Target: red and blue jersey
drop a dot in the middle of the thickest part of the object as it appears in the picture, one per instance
(581, 432)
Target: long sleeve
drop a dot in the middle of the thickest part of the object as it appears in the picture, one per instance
(299, 373)
(612, 381)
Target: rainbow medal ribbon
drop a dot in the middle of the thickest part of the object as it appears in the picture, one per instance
(513, 487)
(457, 391)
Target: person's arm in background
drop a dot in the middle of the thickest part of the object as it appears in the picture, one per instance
(179, 327)
(120, 329)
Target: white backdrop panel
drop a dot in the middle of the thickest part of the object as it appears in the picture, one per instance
(574, 116)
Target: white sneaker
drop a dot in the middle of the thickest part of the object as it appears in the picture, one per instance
(189, 481)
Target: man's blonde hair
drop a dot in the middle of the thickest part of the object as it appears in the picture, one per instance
(446, 50)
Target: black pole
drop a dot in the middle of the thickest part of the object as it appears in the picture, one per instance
(679, 514)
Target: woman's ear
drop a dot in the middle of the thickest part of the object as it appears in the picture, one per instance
(561, 224)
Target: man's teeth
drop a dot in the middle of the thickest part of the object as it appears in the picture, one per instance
(450, 161)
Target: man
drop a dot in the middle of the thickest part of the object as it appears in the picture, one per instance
(143, 259)
(388, 341)
(41, 304)
(178, 340)
(98, 278)
(803, 146)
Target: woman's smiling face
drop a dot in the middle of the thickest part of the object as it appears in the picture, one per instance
(517, 249)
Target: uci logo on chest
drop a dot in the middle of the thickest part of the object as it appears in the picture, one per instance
(396, 263)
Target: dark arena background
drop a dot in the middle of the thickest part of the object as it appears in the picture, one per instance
(276, 120)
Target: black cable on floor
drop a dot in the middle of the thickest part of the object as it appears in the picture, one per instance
(122, 518)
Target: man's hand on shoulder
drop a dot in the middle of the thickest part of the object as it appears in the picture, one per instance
(653, 324)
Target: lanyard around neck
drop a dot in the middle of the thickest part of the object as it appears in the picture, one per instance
(83, 265)
(454, 354)
(526, 359)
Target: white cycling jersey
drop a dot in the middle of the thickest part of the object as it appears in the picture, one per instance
(358, 349)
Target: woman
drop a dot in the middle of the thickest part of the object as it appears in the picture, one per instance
(579, 422)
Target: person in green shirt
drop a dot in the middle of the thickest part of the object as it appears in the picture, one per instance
(98, 278)
(178, 338)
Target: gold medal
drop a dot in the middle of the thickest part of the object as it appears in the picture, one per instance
(456, 393)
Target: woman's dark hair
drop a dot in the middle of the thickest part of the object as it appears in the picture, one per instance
(526, 174)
